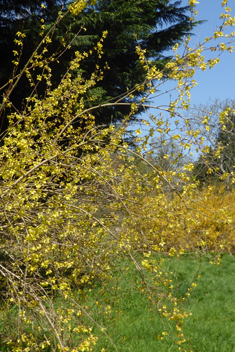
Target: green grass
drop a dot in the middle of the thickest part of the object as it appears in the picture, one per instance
(212, 325)
(212, 303)
(134, 326)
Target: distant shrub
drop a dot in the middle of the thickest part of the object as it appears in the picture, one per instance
(192, 220)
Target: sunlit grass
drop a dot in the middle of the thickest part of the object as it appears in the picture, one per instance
(133, 326)
(212, 303)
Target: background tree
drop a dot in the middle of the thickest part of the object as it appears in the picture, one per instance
(218, 160)
(167, 154)
(23, 16)
(156, 25)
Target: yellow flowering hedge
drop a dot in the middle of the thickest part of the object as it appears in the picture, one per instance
(197, 220)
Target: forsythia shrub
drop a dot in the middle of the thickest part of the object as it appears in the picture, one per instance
(200, 220)
(73, 204)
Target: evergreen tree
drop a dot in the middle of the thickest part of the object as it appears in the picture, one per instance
(155, 24)
(21, 15)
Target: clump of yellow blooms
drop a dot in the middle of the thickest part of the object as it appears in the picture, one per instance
(77, 6)
(193, 220)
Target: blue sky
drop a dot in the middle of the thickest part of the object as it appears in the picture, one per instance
(218, 82)
(215, 83)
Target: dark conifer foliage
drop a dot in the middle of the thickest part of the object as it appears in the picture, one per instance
(155, 24)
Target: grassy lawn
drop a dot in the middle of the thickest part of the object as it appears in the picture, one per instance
(211, 327)
(134, 326)
(212, 303)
